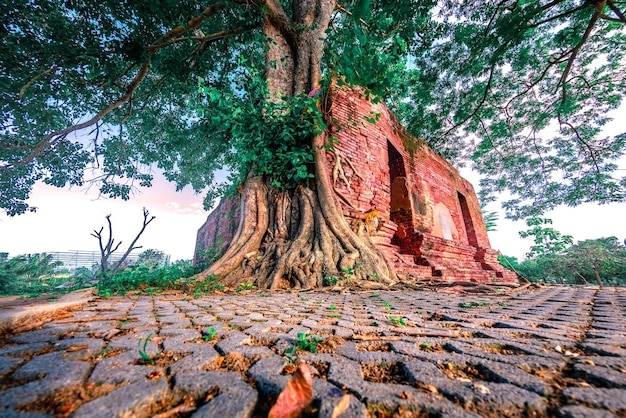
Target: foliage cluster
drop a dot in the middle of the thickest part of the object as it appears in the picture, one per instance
(520, 89)
(29, 274)
(36, 274)
(146, 278)
(271, 138)
(555, 259)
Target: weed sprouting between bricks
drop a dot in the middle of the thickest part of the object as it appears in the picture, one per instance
(142, 350)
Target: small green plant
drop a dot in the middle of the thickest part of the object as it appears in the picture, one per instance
(302, 297)
(122, 323)
(375, 295)
(319, 302)
(330, 281)
(421, 312)
(263, 294)
(332, 307)
(348, 271)
(210, 335)
(426, 346)
(387, 306)
(185, 299)
(399, 321)
(245, 286)
(503, 304)
(142, 350)
(290, 354)
(308, 342)
(472, 304)
(335, 316)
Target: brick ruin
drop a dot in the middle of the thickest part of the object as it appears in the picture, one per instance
(420, 212)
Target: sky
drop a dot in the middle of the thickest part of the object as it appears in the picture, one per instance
(66, 217)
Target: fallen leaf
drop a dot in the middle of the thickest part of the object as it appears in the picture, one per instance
(63, 315)
(64, 409)
(296, 396)
(558, 349)
(77, 348)
(430, 388)
(155, 374)
(341, 406)
(405, 395)
(463, 379)
(176, 412)
(481, 388)
(590, 362)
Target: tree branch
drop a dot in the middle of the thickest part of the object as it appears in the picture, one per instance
(564, 14)
(617, 11)
(52, 138)
(477, 108)
(574, 53)
(190, 25)
(132, 246)
(34, 80)
(279, 19)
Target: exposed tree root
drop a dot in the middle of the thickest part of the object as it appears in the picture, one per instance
(298, 239)
(339, 173)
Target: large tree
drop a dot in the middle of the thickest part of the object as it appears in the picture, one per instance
(198, 87)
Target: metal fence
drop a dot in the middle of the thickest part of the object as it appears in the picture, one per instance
(74, 259)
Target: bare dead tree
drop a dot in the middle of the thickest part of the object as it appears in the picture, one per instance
(106, 250)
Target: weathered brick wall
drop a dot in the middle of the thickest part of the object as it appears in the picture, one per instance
(431, 180)
(426, 209)
(219, 228)
(429, 219)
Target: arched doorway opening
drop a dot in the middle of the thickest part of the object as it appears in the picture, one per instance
(400, 204)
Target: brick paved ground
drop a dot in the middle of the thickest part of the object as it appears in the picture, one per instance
(547, 352)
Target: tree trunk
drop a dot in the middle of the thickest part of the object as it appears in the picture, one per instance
(298, 238)
(597, 276)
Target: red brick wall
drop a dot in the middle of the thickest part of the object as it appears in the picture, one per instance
(431, 180)
(219, 228)
(436, 229)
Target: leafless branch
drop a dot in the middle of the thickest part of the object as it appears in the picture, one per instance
(106, 250)
(132, 245)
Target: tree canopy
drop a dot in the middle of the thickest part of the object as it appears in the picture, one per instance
(601, 261)
(520, 88)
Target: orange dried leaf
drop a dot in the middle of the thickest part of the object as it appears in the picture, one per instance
(296, 396)
(77, 348)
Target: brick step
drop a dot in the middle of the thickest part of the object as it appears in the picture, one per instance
(380, 240)
(465, 272)
(422, 272)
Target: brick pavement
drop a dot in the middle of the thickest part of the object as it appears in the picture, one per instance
(554, 351)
